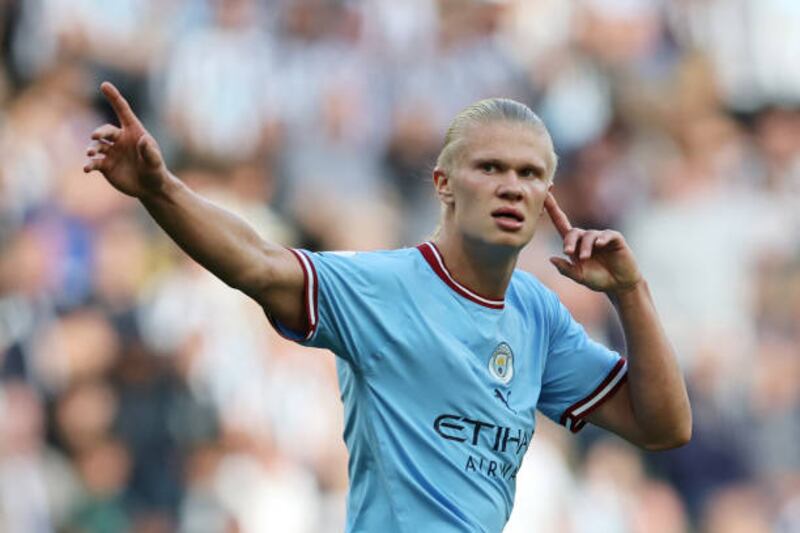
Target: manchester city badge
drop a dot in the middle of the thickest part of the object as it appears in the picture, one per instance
(501, 364)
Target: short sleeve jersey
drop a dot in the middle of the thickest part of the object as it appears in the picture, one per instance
(440, 385)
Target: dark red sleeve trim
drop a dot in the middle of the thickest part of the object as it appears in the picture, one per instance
(573, 417)
(310, 299)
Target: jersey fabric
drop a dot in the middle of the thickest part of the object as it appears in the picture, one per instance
(440, 385)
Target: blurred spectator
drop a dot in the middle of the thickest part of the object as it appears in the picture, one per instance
(737, 509)
(104, 469)
(38, 486)
(85, 415)
(607, 495)
(263, 490)
(230, 70)
(752, 45)
(705, 299)
(201, 510)
(546, 482)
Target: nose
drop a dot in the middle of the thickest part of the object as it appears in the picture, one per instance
(510, 187)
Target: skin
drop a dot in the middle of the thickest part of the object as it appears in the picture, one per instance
(500, 165)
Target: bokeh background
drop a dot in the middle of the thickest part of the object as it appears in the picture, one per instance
(140, 394)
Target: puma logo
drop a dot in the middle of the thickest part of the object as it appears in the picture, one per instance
(499, 395)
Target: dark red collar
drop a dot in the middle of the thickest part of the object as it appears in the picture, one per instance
(434, 258)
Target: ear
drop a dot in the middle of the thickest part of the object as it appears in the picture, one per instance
(542, 211)
(441, 181)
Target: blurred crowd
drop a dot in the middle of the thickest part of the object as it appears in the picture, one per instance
(138, 393)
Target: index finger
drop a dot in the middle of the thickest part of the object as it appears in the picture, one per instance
(121, 107)
(559, 218)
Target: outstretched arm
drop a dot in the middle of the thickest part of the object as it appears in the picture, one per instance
(130, 159)
(652, 409)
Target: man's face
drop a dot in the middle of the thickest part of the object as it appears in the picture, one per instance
(497, 183)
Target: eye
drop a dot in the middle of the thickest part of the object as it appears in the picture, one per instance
(530, 172)
(488, 167)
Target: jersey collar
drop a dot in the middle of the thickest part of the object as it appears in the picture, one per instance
(434, 258)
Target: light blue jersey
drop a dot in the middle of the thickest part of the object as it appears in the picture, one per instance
(440, 385)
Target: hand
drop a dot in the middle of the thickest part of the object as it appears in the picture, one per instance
(128, 156)
(600, 260)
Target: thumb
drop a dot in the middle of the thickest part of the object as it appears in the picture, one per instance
(565, 268)
(148, 151)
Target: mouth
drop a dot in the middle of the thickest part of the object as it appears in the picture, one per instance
(508, 218)
(508, 213)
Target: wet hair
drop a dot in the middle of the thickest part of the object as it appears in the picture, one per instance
(484, 112)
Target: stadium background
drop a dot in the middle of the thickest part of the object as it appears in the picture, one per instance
(140, 394)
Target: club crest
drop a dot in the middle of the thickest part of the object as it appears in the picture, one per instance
(501, 364)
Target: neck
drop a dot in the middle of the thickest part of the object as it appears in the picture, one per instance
(484, 268)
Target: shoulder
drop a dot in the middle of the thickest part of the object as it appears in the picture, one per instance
(382, 264)
(528, 286)
(380, 258)
(529, 293)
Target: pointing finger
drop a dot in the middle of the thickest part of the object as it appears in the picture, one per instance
(559, 218)
(121, 107)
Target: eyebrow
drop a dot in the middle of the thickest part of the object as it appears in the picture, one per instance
(539, 170)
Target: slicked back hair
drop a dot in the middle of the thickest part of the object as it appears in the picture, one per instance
(484, 112)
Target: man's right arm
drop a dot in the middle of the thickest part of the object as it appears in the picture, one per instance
(130, 159)
(231, 250)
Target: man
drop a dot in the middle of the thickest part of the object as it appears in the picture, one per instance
(445, 350)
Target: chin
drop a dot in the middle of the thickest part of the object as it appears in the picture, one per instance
(516, 244)
(507, 241)
(515, 240)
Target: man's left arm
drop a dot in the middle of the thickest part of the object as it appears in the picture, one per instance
(652, 408)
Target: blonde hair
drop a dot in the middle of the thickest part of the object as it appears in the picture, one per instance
(486, 111)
